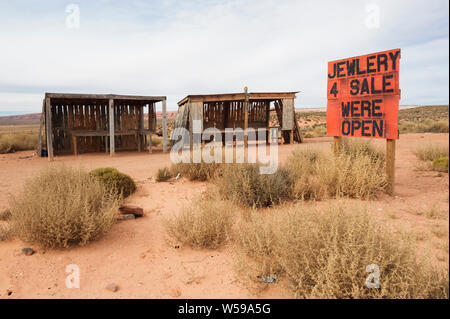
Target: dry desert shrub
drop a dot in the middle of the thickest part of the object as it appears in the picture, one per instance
(197, 171)
(357, 171)
(245, 185)
(4, 232)
(62, 207)
(9, 143)
(163, 174)
(5, 215)
(324, 254)
(430, 152)
(204, 224)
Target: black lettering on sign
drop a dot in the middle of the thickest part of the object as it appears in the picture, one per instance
(355, 109)
(345, 129)
(340, 69)
(371, 64)
(334, 90)
(358, 71)
(386, 83)
(354, 85)
(374, 91)
(394, 57)
(351, 67)
(365, 86)
(345, 108)
(376, 107)
(382, 61)
(365, 127)
(365, 106)
(331, 76)
(377, 129)
(356, 125)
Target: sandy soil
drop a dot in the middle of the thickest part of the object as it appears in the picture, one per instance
(135, 255)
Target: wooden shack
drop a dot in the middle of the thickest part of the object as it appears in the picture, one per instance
(240, 110)
(81, 123)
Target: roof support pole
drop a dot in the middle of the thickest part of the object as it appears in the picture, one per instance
(245, 117)
(49, 128)
(112, 146)
(164, 126)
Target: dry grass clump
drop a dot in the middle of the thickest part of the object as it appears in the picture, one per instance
(430, 152)
(205, 224)
(197, 171)
(427, 126)
(62, 207)
(4, 232)
(5, 215)
(357, 171)
(163, 174)
(10, 143)
(243, 184)
(118, 182)
(324, 254)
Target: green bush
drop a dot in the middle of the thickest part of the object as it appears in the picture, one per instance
(163, 174)
(117, 182)
(441, 164)
(62, 207)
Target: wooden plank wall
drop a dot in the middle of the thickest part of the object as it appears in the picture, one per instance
(93, 115)
(230, 114)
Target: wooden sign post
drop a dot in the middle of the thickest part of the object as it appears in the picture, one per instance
(362, 101)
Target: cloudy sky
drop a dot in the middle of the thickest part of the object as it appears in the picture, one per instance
(175, 48)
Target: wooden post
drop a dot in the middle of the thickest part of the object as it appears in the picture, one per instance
(41, 126)
(336, 144)
(74, 144)
(112, 147)
(164, 126)
(245, 116)
(150, 126)
(49, 128)
(390, 165)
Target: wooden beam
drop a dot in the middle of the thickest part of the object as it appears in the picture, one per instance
(49, 129)
(245, 116)
(336, 144)
(112, 147)
(164, 126)
(41, 127)
(390, 165)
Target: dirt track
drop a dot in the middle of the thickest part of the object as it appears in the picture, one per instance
(135, 255)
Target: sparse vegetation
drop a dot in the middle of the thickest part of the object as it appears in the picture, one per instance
(431, 152)
(4, 232)
(357, 171)
(5, 215)
(119, 183)
(197, 171)
(243, 184)
(206, 224)
(10, 143)
(163, 174)
(441, 164)
(324, 254)
(62, 207)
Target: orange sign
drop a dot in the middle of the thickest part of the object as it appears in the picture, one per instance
(363, 96)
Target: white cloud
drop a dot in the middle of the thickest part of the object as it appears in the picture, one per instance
(179, 48)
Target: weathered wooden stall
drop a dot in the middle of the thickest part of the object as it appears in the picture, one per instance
(240, 110)
(75, 123)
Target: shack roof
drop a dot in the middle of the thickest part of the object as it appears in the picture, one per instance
(74, 96)
(238, 96)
